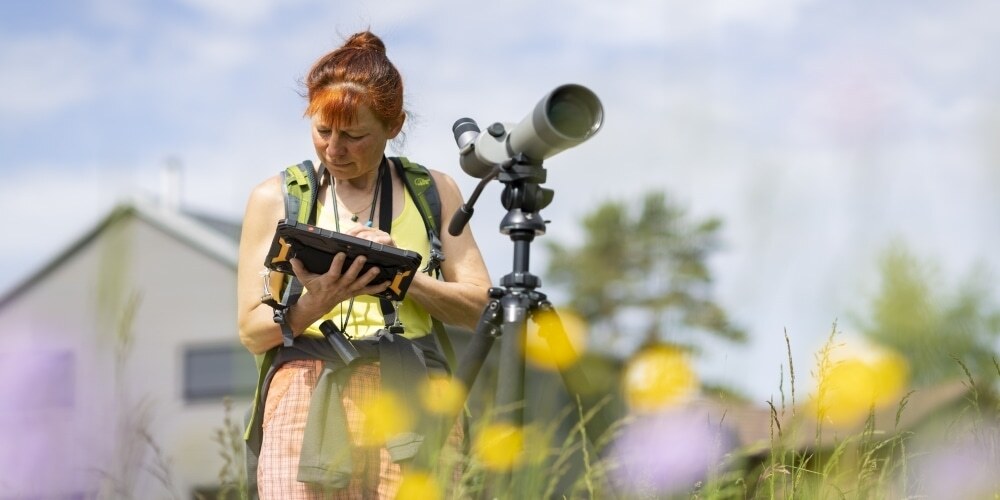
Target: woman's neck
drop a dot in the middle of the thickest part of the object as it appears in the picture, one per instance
(364, 183)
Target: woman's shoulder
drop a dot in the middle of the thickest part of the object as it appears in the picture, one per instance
(267, 195)
(268, 188)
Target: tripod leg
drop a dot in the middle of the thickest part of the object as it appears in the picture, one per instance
(465, 373)
(550, 328)
(510, 387)
(479, 347)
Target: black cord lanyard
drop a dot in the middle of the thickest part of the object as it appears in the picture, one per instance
(383, 187)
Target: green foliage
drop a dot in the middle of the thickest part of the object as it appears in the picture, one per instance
(914, 314)
(650, 265)
(233, 474)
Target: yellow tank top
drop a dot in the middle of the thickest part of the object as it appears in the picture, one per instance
(364, 317)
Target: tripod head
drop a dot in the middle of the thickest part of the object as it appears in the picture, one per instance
(523, 197)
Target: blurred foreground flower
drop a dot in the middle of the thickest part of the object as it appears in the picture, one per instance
(500, 446)
(965, 465)
(386, 416)
(37, 402)
(443, 396)
(659, 377)
(668, 453)
(418, 486)
(545, 348)
(855, 380)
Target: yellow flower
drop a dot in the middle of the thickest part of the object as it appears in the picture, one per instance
(499, 446)
(385, 416)
(659, 377)
(545, 348)
(418, 486)
(444, 396)
(855, 385)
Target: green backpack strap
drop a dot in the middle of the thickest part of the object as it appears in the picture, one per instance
(424, 193)
(301, 191)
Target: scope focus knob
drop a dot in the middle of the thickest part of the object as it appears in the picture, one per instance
(496, 130)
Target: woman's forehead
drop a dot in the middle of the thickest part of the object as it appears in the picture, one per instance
(341, 106)
(360, 116)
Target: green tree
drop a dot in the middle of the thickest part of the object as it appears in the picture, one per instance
(932, 327)
(643, 275)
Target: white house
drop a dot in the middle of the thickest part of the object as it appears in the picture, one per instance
(115, 359)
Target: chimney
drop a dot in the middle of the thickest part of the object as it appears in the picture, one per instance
(170, 185)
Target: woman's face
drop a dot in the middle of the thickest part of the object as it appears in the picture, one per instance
(354, 149)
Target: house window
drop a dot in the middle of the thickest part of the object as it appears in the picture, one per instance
(37, 380)
(212, 372)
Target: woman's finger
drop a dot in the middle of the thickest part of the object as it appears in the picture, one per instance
(368, 276)
(337, 264)
(354, 270)
(370, 234)
(303, 274)
(373, 289)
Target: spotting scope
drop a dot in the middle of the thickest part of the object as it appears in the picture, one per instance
(565, 117)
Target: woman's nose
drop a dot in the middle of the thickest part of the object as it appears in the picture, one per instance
(332, 145)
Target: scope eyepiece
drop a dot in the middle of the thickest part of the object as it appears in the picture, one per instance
(466, 131)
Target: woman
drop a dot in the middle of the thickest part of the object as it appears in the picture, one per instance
(355, 105)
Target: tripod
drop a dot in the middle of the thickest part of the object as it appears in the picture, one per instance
(516, 301)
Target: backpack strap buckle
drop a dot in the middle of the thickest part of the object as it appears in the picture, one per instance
(292, 293)
(436, 256)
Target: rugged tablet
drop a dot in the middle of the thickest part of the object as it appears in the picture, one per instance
(316, 247)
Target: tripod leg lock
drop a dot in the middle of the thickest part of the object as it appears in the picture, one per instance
(490, 320)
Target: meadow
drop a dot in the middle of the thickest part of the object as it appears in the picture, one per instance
(861, 433)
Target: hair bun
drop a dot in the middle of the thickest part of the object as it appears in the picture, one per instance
(365, 40)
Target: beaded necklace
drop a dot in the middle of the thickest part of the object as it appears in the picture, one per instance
(371, 210)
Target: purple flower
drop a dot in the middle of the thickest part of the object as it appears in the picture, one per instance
(36, 417)
(668, 452)
(964, 466)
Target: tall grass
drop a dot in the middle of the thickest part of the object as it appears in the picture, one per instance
(136, 457)
(875, 460)
(233, 473)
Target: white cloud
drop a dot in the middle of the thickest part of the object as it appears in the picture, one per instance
(119, 14)
(238, 12)
(664, 23)
(947, 41)
(45, 74)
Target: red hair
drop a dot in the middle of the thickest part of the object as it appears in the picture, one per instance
(358, 73)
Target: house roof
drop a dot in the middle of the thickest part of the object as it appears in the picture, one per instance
(216, 238)
(756, 426)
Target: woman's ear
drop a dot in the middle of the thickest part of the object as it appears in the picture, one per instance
(398, 126)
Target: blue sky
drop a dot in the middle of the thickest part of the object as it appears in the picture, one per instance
(818, 130)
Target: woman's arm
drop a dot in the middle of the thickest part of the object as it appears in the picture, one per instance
(257, 329)
(460, 298)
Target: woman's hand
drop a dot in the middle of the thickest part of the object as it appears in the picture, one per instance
(335, 285)
(370, 234)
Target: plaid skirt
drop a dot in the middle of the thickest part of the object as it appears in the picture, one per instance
(375, 475)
